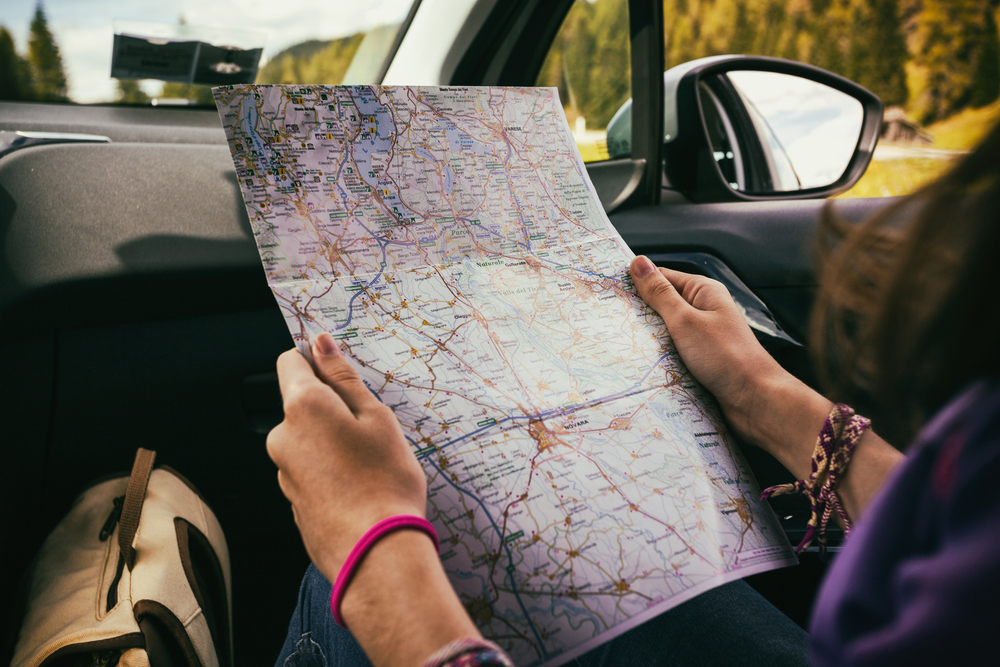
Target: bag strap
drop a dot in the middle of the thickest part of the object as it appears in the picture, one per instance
(135, 495)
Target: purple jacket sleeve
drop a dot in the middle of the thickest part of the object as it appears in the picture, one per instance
(919, 580)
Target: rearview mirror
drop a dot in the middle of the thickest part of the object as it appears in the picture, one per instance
(741, 128)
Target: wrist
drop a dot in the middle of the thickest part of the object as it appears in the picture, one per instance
(784, 419)
(401, 584)
(340, 537)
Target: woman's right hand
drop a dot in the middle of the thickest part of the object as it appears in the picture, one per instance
(762, 402)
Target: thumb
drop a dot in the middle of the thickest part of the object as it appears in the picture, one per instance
(333, 368)
(656, 290)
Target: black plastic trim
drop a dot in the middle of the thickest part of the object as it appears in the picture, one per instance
(396, 41)
(646, 49)
(512, 44)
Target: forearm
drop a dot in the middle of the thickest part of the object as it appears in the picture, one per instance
(400, 606)
(785, 421)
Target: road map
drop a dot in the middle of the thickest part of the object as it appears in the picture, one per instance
(580, 480)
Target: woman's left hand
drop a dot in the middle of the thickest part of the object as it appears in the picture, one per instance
(344, 464)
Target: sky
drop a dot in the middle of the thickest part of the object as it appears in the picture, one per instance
(84, 33)
(817, 125)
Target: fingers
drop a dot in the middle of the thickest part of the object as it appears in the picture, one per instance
(297, 379)
(656, 290)
(333, 368)
(295, 376)
(681, 281)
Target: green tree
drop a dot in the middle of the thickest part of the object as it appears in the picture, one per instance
(129, 92)
(15, 74)
(45, 60)
(860, 39)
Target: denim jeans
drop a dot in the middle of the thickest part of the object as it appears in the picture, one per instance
(730, 625)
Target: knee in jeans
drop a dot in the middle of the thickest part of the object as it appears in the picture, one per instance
(307, 653)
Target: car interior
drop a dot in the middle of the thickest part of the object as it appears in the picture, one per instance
(134, 311)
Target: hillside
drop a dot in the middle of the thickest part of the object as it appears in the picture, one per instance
(314, 61)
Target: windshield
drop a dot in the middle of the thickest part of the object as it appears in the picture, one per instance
(61, 50)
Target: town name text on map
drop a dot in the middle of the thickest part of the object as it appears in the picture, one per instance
(450, 239)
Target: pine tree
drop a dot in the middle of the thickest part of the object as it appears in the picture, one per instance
(986, 79)
(46, 62)
(609, 81)
(878, 50)
(888, 78)
(15, 75)
(744, 34)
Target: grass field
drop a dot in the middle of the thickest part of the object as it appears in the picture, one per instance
(965, 129)
(891, 178)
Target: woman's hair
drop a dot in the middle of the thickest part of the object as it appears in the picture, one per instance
(908, 308)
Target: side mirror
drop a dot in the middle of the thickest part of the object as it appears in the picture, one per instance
(745, 128)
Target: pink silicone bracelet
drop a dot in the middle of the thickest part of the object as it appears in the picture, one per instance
(367, 541)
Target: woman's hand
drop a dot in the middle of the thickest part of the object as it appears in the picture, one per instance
(341, 456)
(344, 465)
(711, 336)
(762, 402)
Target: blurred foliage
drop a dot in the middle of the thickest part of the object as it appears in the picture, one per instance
(315, 61)
(953, 47)
(38, 76)
(862, 40)
(589, 61)
(129, 92)
(937, 57)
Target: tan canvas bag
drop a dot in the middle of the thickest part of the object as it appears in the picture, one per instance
(136, 574)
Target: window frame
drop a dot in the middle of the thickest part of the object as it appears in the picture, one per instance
(510, 48)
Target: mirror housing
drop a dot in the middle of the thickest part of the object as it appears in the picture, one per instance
(699, 95)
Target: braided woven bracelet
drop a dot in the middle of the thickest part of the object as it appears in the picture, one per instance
(834, 447)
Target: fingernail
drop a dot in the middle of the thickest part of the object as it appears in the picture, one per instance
(326, 346)
(642, 267)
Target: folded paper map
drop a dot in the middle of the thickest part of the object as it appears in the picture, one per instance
(450, 238)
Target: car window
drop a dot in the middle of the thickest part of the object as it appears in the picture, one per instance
(935, 64)
(589, 63)
(61, 51)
